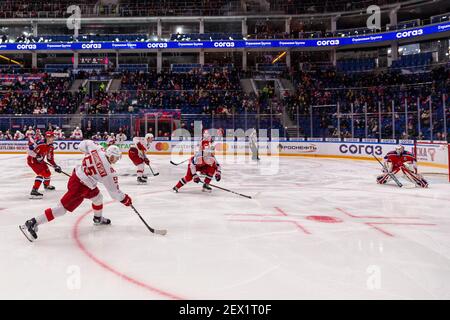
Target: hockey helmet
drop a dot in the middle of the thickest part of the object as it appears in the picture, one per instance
(49, 134)
(113, 151)
(399, 149)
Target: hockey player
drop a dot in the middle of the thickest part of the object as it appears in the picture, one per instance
(30, 132)
(38, 151)
(2, 136)
(137, 154)
(77, 134)
(204, 162)
(121, 137)
(59, 135)
(401, 160)
(96, 167)
(8, 135)
(97, 137)
(38, 135)
(110, 139)
(19, 135)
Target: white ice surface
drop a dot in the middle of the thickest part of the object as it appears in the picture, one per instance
(208, 255)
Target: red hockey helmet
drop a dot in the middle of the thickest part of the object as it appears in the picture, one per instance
(49, 134)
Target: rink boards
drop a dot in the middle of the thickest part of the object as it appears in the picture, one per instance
(435, 155)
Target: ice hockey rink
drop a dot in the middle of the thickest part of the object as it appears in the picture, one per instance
(315, 229)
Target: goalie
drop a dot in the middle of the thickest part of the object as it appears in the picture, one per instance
(404, 161)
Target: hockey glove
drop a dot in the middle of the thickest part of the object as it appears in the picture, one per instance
(218, 177)
(57, 169)
(196, 178)
(126, 201)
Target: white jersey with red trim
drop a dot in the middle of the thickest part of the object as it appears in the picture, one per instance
(121, 137)
(77, 134)
(110, 140)
(141, 144)
(96, 168)
(29, 133)
(58, 134)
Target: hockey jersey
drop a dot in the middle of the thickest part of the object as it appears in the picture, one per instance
(41, 150)
(399, 160)
(96, 168)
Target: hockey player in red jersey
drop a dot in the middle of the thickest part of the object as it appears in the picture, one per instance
(404, 161)
(38, 151)
(137, 154)
(204, 162)
(96, 167)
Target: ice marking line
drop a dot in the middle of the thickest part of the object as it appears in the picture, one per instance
(373, 225)
(372, 217)
(104, 265)
(268, 221)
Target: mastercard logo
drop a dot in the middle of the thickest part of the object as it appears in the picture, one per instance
(162, 146)
(221, 147)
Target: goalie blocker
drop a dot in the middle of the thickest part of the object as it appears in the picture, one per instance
(404, 161)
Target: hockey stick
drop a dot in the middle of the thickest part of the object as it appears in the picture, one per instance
(393, 177)
(153, 173)
(228, 190)
(161, 232)
(54, 167)
(177, 164)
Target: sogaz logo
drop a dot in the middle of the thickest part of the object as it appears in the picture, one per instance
(26, 46)
(328, 42)
(91, 46)
(223, 44)
(361, 149)
(410, 33)
(156, 45)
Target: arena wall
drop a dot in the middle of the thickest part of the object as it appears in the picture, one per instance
(434, 155)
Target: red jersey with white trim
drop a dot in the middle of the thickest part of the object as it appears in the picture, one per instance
(96, 168)
(41, 150)
(398, 160)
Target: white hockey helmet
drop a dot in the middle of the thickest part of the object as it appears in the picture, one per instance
(113, 151)
(148, 136)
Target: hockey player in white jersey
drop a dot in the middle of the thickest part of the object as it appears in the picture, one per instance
(137, 154)
(77, 134)
(121, 137)
(95, 168)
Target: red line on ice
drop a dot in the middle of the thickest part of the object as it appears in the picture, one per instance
(372, 217)
(104, 265)
(372, 224)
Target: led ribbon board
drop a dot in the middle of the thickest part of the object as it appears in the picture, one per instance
(230, 44)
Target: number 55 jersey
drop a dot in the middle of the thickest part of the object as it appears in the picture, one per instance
(95, 168)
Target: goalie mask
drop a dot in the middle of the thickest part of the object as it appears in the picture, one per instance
(400, 149)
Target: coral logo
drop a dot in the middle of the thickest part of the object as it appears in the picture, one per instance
(155, 45)
(410, 33)
(328, 42)
(221, 147)
(91, 46)
(162, 146)
(223, 44)
(26, 46)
